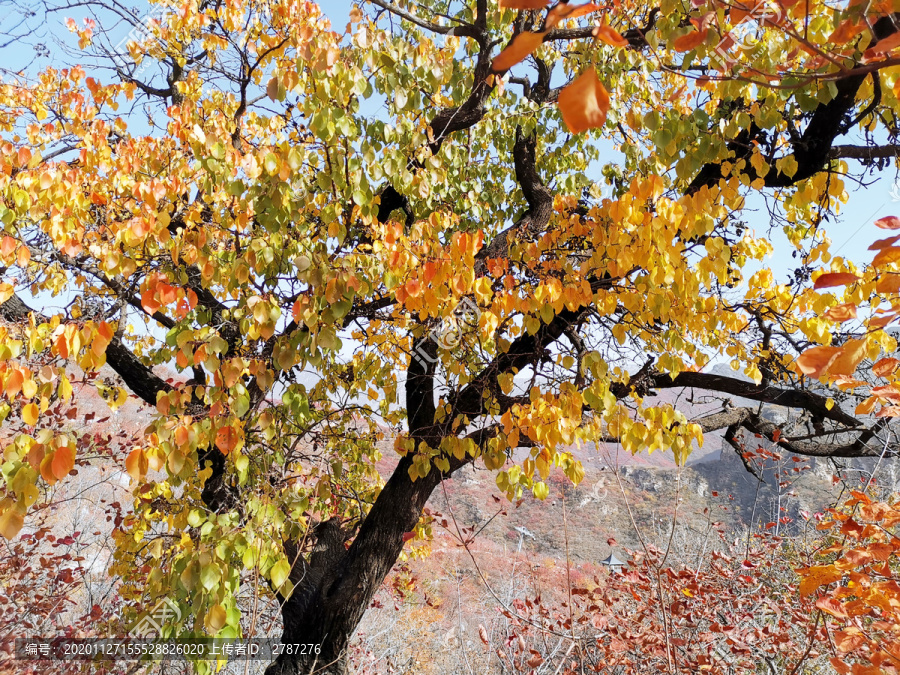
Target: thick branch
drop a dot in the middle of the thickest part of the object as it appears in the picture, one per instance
(864, 152)
(462, 30)
(813, 149)
(140, 379)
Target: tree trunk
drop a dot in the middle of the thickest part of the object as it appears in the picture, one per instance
(334, 589)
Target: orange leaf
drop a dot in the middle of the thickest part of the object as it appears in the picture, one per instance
(848, 640)
(584, 103)
(881, 321)
(610, 36)
(846, 31)
(63, 461)
(819, 575)
(885, 367)
(524, 4)
(414, 288)
(889, 411)
(866, 406)
(136, 464)
(888, 392)
(832, 606)
(690, 41)
(227, 439)
(884, 243)
(851, 353)
(521, 46)
(881, 551)
(882, 47)
(841, 313)
(7, 246)
(886, 256)
(815, 361)
(830, 279)
(563, 11)
(14, 382)
(888, 223)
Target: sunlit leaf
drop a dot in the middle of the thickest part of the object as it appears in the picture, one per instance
(584, 103)
(815, 361)
(521, 46)
(817, 576)
(841, 313)
(610, 36)
(689, 41)
(136, 464)
(886, 256)
(885, 367)
(830, 279)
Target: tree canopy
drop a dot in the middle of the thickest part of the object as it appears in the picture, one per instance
(488, 231)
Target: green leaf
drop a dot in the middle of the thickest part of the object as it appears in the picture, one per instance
(209, 576)
(280, 572)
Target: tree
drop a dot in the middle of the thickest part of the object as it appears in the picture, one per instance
(393, 230)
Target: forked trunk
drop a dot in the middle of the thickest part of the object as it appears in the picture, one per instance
(334, 589)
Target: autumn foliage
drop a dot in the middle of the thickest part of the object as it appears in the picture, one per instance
(340, 261)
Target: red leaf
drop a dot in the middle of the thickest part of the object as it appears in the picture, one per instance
(888, 223)
(884, 243)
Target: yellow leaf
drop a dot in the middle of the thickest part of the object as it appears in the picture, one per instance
(11, 522)
(30, 414)
(215, 618)
(819, 575)
(136, 464)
